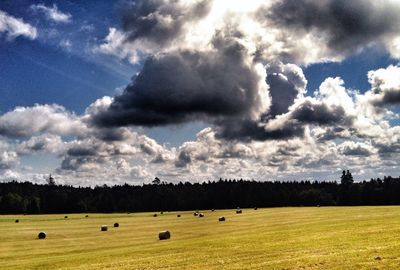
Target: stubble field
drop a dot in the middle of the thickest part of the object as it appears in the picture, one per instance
(269, 238)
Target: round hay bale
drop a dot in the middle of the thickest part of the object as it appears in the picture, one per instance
(221, 219)
(164, 235)
(65, 216)
(201, 215)
(17, 220)
(42, 235)
(195, 214)
(238, 211)
(104, 228)
(178, 215)
(155, 215)
(116, 225)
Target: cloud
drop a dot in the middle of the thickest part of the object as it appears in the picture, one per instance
(8, 159)
(286, 83)
(345, 27)
(48, 143)
(237, 67)
(53, 13)
(182, 86)
(385, 86)
(114, 44)
(238, 76)
(160, 21)
(14, 27)
(29, 121)
(356, 149)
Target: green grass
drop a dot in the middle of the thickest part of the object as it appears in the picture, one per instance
(277, 238)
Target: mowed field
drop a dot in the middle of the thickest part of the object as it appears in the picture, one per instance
(269, 238)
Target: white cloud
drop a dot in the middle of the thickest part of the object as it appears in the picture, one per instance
(29, 121)
(114, 44)
(53, 13)
(14, 27)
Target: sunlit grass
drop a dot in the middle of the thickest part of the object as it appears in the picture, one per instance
(277, 238)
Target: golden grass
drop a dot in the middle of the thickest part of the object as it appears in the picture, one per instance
(276, 238)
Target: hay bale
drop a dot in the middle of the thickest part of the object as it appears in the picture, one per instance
(17, 220)
(42, 235)
(65, 216)
(155, 215)
(116, 225)
(164, 235)
(221, 219)
(195, 214)
(255, 208)
(178, 215)
(212, 210)
(238, 211)
(104, 228)
(201, 215)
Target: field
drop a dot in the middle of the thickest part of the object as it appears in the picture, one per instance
(269, 238)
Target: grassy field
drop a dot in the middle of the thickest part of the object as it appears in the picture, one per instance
(277, 238)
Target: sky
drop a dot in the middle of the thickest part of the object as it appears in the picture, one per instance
(114, 92)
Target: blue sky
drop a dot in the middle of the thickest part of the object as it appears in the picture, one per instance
(73, 60)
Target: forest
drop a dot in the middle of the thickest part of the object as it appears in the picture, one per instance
(26, 197)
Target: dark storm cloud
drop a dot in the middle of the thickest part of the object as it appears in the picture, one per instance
(111, 134)
(292, 124)
(160, 21)
(183, 159)
(247, 130)
(186, 85)
(387, 97)
(356, 150)
(285, 82)
(82, 150)
(347, 25)
(309, 112)
(388, 149)
(70, 163)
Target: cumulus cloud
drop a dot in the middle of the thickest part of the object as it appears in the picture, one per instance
(385, 86)
(43, 143)
(192, 85)
(160, 21)
(53, 13)
(237, 67)
(7, 159)
(286, 83)
(238, 76)
(356, 149)
(28, 121)
(344, 27)
(14, 27)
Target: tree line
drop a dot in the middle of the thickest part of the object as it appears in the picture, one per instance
(26, 197)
